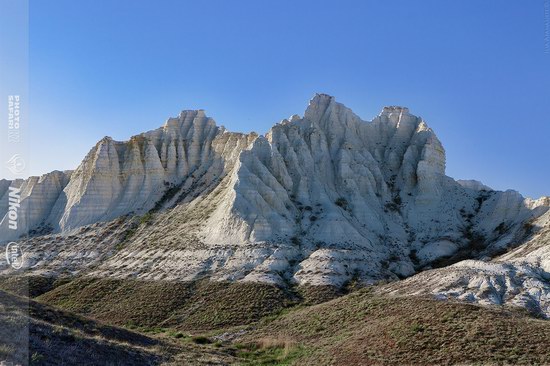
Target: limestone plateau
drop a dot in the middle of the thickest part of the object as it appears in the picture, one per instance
(323, 199)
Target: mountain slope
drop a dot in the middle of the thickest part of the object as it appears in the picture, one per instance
(320, 200)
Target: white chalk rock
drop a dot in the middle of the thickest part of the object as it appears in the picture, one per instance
(320, 199)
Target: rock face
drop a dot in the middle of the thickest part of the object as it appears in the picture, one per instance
(520, 277)
(119, 178)
(321, 199)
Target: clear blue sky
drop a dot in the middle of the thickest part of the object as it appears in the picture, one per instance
(476, 71)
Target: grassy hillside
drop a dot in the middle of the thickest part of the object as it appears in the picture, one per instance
(31, 285)
(201, 305)
(368, 329)
(256, 324)
(54, 337)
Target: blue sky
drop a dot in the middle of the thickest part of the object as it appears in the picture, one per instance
(476, 71)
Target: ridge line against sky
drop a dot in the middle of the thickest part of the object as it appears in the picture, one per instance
(477, 73)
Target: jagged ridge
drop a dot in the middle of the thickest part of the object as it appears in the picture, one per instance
(320, 199)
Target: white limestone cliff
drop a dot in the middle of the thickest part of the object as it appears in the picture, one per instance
(321, 199)
(116, 178)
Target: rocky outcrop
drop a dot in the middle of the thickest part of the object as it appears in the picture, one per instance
(322, 199)
(120, 178)
(520, 277)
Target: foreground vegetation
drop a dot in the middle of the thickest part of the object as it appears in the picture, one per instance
(41, 335)
(364, 328)
(253, 324)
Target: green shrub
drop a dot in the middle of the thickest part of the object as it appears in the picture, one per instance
(417, 328)
(145, 219)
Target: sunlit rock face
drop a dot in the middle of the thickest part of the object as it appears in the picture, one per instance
(119, 178)
(519, 277)
(321, 199)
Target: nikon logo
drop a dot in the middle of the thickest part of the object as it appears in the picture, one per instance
(13, 208)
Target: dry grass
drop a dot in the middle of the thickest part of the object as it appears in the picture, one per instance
(277, 350)
(367, 329)
(361, 328)
(191, 306)
(36, 334)
(283, 342)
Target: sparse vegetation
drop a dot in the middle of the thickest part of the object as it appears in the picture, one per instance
(417, 328)
(146, 219)
(391, 206)
(362, 327)
(476, 241)
(342, 202)
(502, 228)
(128, 234)
(397, 200)
(170, 304)
(367, 328)
(414, 257)
(201, 340)
(36, 334)
(29, 285)
(36, 358)
(483, 196)
(528, 228)
(270, 351)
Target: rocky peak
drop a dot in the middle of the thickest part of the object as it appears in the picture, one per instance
(320, 200)
(394, 109)
(318, 106)
(329, 145)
